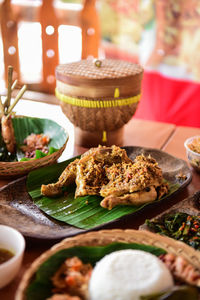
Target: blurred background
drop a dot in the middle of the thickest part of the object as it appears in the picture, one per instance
(163, 36)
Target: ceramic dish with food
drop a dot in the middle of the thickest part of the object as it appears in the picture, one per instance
(110, 173)
(181, 222)
(103, 184)
(55, 218)
(12, 246)
(98, 265)
(192, 146)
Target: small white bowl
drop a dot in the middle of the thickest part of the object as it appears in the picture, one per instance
(193, 157)
(12, 240)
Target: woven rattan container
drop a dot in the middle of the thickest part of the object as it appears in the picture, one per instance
(105, 237)
(99, 97)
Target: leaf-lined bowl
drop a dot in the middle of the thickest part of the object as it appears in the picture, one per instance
(86, 212)
(24, 126)
(91, 247)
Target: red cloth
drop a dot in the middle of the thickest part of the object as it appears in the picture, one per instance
(169, 100)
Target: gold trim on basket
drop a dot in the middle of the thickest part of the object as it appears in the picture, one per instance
(97, 103)
(116, 94)
(104, 137)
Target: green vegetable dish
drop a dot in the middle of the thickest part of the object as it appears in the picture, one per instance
(180, 226)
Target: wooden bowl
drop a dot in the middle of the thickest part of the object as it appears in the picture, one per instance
(105, 237)
(99, 98)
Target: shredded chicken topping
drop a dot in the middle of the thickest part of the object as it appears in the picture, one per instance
(35, 142)
(71, 280)
(195, 145)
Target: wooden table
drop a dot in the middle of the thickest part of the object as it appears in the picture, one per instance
(163, 136)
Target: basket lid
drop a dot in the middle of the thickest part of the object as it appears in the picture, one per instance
(100, 74)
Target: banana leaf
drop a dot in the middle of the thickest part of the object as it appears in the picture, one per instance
(82, 212)
(24, 126)
(41, 286)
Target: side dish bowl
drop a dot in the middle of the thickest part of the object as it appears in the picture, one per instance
(172, 223)
(13, 241)
(23, 127)
(192, 156)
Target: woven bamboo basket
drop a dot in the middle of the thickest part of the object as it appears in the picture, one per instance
(20, 168)
(99, 97)
(105, 237)
(16, 169)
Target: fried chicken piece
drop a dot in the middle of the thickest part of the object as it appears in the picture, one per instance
(67, 177)
(109, 172)
(181, 269)
(88, 171)
(127, 178)
(134, 183)
(136, 198)
(107, 155)
(7, 132)
(91, 175)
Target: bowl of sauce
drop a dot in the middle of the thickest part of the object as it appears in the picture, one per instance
(5, 255)
(12, 245)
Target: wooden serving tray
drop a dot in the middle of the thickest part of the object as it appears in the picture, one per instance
(18, 210)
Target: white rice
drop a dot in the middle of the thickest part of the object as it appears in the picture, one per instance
(127, 275)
